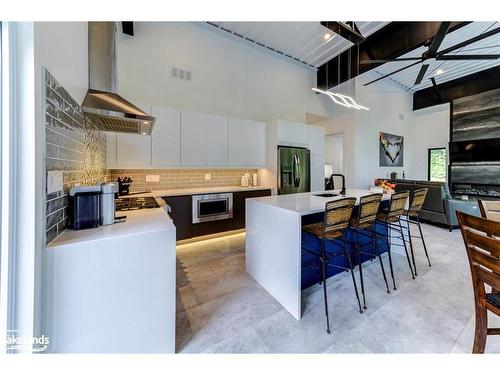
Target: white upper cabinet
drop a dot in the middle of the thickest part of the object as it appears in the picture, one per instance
(193, 139)
(189, 139)
(316, 141)
(292, 133)
(247, 143)
(133, 150)
(166, 137)
(217, 130)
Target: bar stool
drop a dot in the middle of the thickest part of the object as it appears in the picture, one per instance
(364, 225)
(335, 224)
(411, 216)
(391, 219)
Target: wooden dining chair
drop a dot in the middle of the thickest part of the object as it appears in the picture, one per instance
(490, 210)
(482, 242)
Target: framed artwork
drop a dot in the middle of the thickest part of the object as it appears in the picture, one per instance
(391, 149)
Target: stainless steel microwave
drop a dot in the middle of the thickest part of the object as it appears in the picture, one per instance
(211, 207)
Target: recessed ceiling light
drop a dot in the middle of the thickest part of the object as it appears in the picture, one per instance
(327, 36)
(440, 71)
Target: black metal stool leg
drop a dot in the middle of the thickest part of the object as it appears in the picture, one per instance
(423, 241)
(346, 252)
(360, 268)
(406, 249)
(377, 253)
(411, 246)
(323, 277)
(389, 231)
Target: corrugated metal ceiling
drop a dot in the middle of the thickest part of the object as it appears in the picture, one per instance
(451, 69)
(303, 42)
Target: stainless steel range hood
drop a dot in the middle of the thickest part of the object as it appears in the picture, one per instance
(106, 109)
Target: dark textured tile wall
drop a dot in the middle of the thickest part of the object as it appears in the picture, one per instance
(476, 117)
(73, 145)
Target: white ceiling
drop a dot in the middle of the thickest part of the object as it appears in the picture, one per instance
(302, 42)
(452, 69)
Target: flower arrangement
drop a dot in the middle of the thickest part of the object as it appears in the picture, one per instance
(384, 184)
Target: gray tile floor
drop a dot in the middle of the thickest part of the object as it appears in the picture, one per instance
(221, 309)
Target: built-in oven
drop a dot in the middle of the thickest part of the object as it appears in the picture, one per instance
(210, 207)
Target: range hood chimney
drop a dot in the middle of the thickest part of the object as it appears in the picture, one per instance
(103, 106)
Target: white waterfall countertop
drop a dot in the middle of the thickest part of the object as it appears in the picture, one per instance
(311, 203)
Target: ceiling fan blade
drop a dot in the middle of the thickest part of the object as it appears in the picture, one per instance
(390, 74)
(468, 57)
(389, 60)
(421, 73)
(470, 41)
(438, 38)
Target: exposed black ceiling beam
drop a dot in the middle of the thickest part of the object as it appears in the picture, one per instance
(436, 89)
(393, 40)
(471, 84)
(348, 30)
(128, 27)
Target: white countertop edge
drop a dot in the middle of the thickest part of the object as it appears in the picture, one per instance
(135, 227)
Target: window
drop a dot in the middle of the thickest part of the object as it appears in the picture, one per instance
(436, 164)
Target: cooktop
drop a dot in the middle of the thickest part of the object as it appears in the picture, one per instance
(135, 203)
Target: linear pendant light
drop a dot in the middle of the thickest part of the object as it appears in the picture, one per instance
(343, 100)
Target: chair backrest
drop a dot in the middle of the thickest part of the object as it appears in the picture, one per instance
(368, 208)
(398, 203)
(417, 200)
(338, 213)
(482, 242)
(490, 209)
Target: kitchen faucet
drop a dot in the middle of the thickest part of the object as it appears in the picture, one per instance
(342, 191)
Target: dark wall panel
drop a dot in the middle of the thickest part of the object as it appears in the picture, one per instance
(477, 116)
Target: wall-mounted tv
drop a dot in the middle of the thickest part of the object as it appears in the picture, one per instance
(480, 150)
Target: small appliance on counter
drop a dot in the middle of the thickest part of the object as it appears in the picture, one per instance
(124, 185)
(107, 211)
(84, 207)
(244, 180)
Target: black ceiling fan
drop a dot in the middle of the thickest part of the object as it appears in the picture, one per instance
(432, 53)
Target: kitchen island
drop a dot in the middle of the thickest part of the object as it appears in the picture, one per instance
(274, 241)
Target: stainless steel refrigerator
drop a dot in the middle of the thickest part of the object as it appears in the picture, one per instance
(294, 168)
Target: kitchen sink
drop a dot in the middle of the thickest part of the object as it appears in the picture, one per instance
(326, 195)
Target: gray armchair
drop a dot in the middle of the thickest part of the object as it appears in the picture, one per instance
(451, 206)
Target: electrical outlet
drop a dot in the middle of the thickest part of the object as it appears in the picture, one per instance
(208, 176)
(54, 181)
(152, 178)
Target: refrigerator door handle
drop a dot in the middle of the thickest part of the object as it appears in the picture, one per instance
(296, 170)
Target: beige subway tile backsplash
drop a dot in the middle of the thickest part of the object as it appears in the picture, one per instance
(182, 178)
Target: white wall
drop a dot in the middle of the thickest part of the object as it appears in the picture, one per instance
(334, 152)
(431, 129)
(345, 124)
(228, 77)
(387, 103)
(62, 48)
